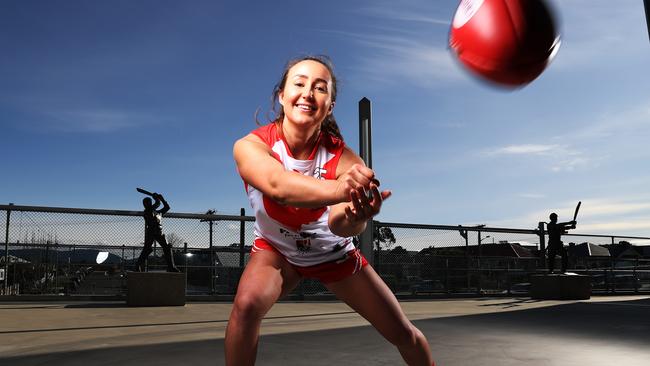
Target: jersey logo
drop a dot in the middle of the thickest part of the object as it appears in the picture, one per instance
(302, 239)
(319, 172)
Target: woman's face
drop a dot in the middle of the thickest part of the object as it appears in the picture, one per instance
(307, 94)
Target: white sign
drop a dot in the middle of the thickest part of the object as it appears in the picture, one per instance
(2, 274)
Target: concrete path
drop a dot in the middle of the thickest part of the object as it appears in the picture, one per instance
(480, 332)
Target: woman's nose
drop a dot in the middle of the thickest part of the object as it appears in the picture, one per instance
(308, 93)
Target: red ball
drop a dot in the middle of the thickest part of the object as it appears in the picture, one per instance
(509, 42)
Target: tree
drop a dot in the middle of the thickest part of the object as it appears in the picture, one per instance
(399, 250)
(383, 235)
(174, 240)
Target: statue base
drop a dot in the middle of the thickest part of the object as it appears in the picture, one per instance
(155, 289)
(564, 286)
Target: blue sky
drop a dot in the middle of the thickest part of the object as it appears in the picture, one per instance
(97, 98)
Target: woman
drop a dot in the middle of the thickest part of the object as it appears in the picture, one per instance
(310, 194)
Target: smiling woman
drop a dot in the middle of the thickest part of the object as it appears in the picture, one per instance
(310, 195)
(329, 124)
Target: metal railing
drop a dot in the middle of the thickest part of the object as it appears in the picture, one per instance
(53, 250)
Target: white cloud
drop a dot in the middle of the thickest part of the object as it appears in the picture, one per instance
(532, 195)
(605, 216)
(630, 121)
(594, 208)
(615, 133)
(594, 29)
(617, 207)
(400, 46)
(571, 164)
(97, 120)
(525, 149)
(389, 12)
(641, 224)
(392, 57)
(559, 157)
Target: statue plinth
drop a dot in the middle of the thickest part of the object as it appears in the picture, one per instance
(562, 286)
(155, 289)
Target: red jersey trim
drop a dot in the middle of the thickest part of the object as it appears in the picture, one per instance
(269, 134)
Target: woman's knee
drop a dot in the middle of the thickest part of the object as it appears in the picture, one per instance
(404, 335)
(250, 307)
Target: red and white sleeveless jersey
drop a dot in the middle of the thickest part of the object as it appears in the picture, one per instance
(302, 235)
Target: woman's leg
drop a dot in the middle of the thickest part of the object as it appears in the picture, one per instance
(267, 277)
(367, 294)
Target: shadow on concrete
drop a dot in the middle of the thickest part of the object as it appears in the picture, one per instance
(510, 303)
(583, 333)
(30, 307)
(98, 305)
(217, 321)
(181, 353)
(46, 330)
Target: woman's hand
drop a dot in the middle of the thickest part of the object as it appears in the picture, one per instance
(365, 204)
(357, 177)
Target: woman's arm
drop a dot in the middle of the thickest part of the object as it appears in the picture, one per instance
(258, 167)
(349, 218)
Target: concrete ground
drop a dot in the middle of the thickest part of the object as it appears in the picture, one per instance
(476, 332)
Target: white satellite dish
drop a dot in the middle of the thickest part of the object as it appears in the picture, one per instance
(101, 257)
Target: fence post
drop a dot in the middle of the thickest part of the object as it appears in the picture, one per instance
(478, 264)
(242, 232)
(210, 225)
(365, 151)
(47, 265)
(636, 264)
(447, 289)
(56, 266)
(542, 242)
(7, 250)
(210, 230)
(508, 275)
(467, 261)
(185, 264)
(211, 259)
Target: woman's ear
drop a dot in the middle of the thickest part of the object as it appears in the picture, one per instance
(331, 108)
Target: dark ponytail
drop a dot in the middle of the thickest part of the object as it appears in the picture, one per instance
(330, 126)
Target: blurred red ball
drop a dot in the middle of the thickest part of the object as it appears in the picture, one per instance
(509, 42)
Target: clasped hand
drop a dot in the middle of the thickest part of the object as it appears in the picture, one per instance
(360, 187)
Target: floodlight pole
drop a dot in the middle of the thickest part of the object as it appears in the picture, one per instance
(365, 151)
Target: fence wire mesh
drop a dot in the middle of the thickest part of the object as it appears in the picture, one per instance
(56, 250)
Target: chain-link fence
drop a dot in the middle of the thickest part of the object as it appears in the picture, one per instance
(430, 259)
(55, 251)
